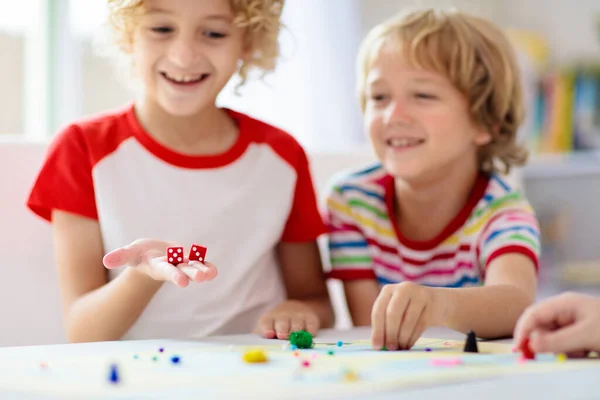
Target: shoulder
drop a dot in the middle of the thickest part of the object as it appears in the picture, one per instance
(94, 136)
(503, 193)
(262, 133)
(367, 181)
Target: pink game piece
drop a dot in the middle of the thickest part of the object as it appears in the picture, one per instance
(305, 363)
(446, 362)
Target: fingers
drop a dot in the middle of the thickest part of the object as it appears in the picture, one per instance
(266, 328)
(312, 324)
(417, 332)
(378, 317)
(397, 308)
(546, 315)
(412, 317)
(206, 271)
(282, 327)
(169, 272)
(569, 339)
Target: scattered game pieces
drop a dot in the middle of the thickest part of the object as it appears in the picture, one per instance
(330, 352)
(175, 359)
(349, 375)
(255, 356)
(296, 353)
(135, 356)
(113, 375)
(427, 349)
(340, 343)
(175, 255)
(314, 356)
(306, 363)
(446, 362)
(471, 343)
(384, 348)
(284, 346)
(526, 351)
(293, 347)
(301, 339)
(161, 350)
(561, 357)
(154, 358)
(43, 365)
(197, 253)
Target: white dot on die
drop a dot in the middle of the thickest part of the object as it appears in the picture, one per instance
(179, 259)
(194, 248)
(170, 259)
(198, 253)
(170, 250)
(179, 250)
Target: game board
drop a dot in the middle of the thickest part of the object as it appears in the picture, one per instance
(325, 371)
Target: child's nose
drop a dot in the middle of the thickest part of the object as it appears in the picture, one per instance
(397, 112)
(184, 52)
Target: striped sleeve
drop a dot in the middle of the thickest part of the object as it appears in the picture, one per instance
(349, 254)
(513, 230)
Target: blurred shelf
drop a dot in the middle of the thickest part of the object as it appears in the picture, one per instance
(576, 164)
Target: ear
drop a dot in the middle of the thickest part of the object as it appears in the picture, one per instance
(482, 138)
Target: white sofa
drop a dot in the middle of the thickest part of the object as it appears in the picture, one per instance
(30, 301)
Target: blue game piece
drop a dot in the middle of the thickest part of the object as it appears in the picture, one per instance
(340, 343)
(135, 356)
(293, 347)
(175, 359)
(114, 374)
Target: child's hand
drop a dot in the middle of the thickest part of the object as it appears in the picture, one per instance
(148, 256)
(288, 317)
(401, 314)
(568, 323)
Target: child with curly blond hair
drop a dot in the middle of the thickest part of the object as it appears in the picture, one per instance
(174, 169)
(433, 234)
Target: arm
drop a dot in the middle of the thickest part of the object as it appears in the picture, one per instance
(360, 297)
(303, 276)
(492, 311)
(95, 310)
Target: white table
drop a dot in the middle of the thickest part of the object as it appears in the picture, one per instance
(570, 385)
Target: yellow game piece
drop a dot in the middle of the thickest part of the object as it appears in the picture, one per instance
(255, 356)
(350, 376)
(561, 358)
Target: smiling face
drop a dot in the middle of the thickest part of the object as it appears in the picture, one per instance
(185, 52)
(417, 121)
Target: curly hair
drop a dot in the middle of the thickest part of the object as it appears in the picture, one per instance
(477, 58)
(260, 19)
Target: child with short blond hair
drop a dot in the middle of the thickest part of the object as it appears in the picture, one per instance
(433, 234)
(173, 169)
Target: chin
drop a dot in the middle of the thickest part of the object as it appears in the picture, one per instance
(183, 109)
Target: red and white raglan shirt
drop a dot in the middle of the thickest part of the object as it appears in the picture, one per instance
(364, 241)
(239, 204)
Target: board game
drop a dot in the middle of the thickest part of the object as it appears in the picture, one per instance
(327, 370)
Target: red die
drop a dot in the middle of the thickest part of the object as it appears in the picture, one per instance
(197, 253)
(175, 255)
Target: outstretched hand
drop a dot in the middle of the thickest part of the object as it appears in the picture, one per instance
(148, 256)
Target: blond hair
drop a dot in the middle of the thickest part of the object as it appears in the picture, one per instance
(260, 19)
(475, 55)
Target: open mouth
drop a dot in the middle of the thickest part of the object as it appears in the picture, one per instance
(185, 80)
(404, 143)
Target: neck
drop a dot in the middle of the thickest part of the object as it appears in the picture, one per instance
(208, 131)
(427, 207)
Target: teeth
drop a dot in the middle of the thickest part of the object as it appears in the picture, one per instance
(401, 142)
(184, 78)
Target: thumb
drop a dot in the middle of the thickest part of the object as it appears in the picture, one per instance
(566, 339)
(122, 256)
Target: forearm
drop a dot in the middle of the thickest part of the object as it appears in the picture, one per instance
(490, 311)
(108, 312)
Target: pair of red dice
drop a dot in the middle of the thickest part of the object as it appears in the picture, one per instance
(175, 254)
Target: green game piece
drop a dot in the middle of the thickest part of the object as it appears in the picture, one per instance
(384, 348)
(301, 339)
(154, 358)
(330, 352)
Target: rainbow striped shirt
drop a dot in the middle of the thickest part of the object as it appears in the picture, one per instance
(364, 243)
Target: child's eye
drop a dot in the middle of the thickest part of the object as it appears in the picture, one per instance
(162, 29)
(214, 35)
(378, 97)
(426, 96)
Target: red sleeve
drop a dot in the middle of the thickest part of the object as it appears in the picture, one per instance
(65, 181)
(304, 223)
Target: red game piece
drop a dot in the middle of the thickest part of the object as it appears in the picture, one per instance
(197, 253)
(526, 350)
(175, 255)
